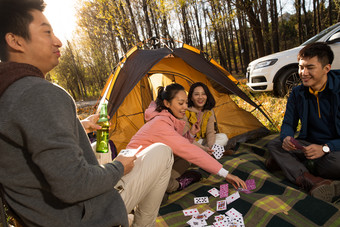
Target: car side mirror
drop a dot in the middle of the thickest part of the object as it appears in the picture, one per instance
(334, 38)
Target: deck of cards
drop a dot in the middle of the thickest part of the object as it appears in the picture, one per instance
(250, 186)
(218, 150)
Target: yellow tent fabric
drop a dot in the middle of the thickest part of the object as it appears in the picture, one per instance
(129, 116)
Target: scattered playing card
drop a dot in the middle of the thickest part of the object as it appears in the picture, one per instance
(224, 188)
(233, 213)
(214, 192)
(221, 205)
(218, 151)
(219, 217)
(190, 212)
(233, 197)
(199, 200)
(195, 222)
(208, 213)
(200, 216)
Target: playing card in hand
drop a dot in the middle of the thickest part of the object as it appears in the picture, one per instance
(129, 152)
(218, 151)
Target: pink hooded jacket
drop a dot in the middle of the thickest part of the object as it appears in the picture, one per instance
(163, 127)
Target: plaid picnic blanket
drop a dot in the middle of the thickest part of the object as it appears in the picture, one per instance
(275, 201)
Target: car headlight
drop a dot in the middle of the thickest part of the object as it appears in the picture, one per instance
(266, 63)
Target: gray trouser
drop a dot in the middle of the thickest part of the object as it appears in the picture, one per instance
(291, 162)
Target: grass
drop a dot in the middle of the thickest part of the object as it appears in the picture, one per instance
(274, 107)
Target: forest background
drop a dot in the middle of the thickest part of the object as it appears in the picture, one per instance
(233, 32)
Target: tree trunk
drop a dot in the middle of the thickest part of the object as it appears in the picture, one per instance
(315, 17)
(186, 27)
(319, 15)
(305, 27)
(243, 39)
(232, 43)
(133, 22)
(330, 9)
(199, 28)
(147, 20)
(275, 26)
(264, 17)
(298, 13)
(154, 20)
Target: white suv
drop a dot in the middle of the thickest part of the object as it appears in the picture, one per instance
(279, 71)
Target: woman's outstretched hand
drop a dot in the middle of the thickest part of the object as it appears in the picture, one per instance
(236, 181)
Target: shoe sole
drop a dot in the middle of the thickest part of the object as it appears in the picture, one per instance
(327, 192)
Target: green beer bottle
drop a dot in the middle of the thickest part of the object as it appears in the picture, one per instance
(103, 133)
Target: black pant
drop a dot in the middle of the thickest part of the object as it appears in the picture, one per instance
(292, 162)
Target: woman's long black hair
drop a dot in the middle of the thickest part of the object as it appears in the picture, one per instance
(210, 103)
(167, 93)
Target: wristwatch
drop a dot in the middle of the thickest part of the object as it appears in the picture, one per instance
(325, 148)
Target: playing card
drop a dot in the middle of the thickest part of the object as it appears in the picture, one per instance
(221, 205)
(221, 224)
(190, 212)
(224, 188)
(208, 213)
(129, 152)
(214, 192)
(219, 217)
(233, 197)
(239, 221)
(199, 200)
(250, 184)
(296, 144)
(233, 213)
(218, 151)
(200, 216)
(195, 222)
(246, 191)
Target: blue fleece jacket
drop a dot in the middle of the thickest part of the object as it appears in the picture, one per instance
(297, 109)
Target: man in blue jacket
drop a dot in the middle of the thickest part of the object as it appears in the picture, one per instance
(315, 165)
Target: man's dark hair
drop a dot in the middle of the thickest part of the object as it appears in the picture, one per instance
(209, 104)
(319, 49)
(15, 17)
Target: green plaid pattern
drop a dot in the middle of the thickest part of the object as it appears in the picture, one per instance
(275, 201)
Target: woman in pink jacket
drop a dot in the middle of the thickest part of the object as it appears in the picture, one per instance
(165, 125)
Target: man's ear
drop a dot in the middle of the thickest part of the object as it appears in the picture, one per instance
(327, 67)
(166, 103)
(14, 42)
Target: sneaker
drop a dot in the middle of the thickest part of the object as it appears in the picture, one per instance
(188, 178)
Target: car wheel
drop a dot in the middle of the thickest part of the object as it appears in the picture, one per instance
(286, 81)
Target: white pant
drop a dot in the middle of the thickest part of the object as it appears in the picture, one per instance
(143, 188)
(221, 139)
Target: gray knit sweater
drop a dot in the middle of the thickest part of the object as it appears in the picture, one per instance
(47, 167)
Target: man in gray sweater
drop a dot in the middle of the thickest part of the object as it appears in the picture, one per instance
(48, 171)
